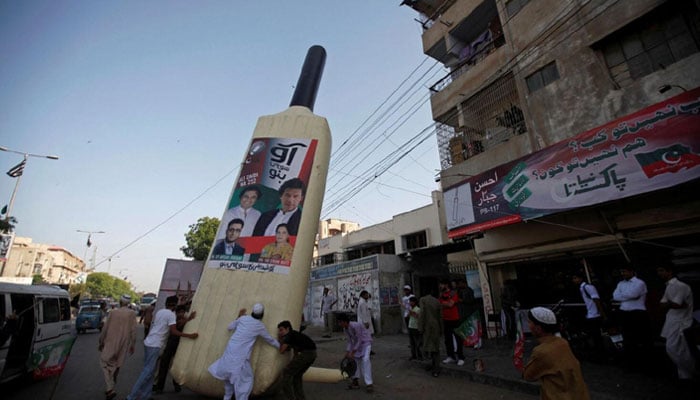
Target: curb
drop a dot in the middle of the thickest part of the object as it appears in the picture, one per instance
(483, 378)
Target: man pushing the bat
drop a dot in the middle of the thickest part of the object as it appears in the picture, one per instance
(234, 365)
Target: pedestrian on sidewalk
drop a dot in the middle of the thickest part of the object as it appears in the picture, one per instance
(552, 362)
(678, 304)
(450, 319)
(170, 349)
(595, 314)
(164, 324)
(233, 367)
(328, 301)
(118, 337)
(358, 348)
(405, 305)
(430, 326)
(304, 355)
(364, 313)
(413, 332)
(631, 292)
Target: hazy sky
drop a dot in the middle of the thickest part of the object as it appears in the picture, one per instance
(150, 104)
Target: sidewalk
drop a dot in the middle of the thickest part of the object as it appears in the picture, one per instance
(605, 381)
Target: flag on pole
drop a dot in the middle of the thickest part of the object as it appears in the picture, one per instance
(89, 243)
(17, 170)
(519, 348)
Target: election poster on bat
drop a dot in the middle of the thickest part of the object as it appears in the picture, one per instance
(259, 227)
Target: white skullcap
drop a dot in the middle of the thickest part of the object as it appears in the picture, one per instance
(544, 315)
(407, 287)
(126, 298)
(258, 308)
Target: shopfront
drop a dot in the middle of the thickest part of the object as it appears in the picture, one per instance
(380, 274)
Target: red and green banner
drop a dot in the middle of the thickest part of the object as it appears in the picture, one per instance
(50, 360)
(655, 148)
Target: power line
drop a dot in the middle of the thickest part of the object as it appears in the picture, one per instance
(183, 208)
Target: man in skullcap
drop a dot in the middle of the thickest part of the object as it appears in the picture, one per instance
(234, 365)
(552, 361)
(117, 337)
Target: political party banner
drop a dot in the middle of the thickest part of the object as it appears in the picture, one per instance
(259, 227)
(50, 360)
(654, 148)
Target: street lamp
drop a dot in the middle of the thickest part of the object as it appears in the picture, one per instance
(17, 171)
(109, 264)
(88, 243)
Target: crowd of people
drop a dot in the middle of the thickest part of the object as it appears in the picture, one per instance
(433, 324)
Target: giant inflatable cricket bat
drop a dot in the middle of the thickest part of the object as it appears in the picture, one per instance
(288, 151)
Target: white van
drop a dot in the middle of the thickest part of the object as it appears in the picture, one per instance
(44, 335)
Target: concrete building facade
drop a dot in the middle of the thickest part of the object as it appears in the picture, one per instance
(55, 264)
(412, 248)
(528, 76)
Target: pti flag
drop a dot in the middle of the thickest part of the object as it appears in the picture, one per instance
(519, 348)
(17, 170)
(669, 159)
(470, 331)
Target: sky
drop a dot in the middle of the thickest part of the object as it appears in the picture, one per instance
(150, 107)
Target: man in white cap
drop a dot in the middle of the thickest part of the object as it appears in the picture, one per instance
(552, 361)
(117, 337)
(234, 365)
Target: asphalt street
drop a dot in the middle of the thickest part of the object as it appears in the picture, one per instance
(82, 377)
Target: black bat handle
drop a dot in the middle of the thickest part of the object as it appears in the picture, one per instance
(310, 78)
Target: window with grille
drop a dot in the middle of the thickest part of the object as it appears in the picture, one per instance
(542, 77)
(651, 43)
(488, 118)
(416, 240)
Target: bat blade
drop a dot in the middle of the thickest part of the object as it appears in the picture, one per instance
(293, 144)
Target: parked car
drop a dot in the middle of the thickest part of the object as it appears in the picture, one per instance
(90, 316)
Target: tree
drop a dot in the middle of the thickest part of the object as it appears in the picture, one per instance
(7, 225)
(37, 279)
(102, 284)
(200, 238)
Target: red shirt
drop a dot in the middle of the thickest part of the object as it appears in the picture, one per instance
(449, 313)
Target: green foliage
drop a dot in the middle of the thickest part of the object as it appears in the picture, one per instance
(37, 279)
(7, 225)
(102, 284)
(200, 238)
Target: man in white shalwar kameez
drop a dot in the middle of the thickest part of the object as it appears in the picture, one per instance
(234, 365)
(364, 314)
(678, 301)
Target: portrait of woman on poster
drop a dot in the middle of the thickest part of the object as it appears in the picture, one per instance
(280, 251)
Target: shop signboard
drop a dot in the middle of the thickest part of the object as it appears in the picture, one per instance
(655, 148)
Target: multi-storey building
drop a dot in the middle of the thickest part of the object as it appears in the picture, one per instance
(55, 264)
(569, 138)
